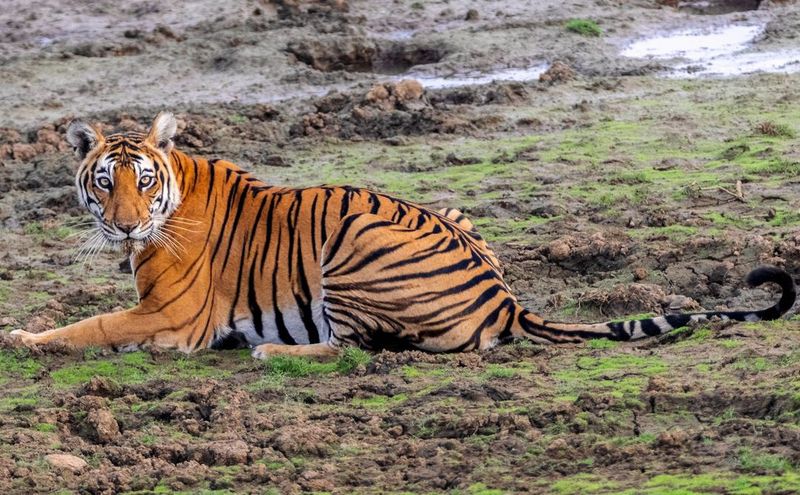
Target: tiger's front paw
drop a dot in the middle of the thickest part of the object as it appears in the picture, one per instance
(26, 338)
(261, 352)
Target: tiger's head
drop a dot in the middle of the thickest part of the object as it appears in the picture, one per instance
(126, 181)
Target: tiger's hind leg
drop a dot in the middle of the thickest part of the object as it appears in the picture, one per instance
(386, 285)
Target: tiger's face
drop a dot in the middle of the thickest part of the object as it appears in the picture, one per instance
(125, 181)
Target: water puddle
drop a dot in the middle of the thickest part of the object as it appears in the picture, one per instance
(477, 78)
(719, 51)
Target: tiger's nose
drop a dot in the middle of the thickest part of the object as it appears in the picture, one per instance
(126, 227)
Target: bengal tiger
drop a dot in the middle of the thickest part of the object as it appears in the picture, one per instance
(222, 259)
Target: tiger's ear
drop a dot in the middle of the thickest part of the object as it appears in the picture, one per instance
(83, 138)
(163, 131)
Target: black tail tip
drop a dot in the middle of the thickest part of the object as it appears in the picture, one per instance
(767, 273)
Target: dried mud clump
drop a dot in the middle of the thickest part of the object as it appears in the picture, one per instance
(47, 139)
(594, 253)
(404, 95)
(341, 53)
(311, 439)
(356, 54)
(625, 299)
(387, 109)
(559, 72)
(103, 427)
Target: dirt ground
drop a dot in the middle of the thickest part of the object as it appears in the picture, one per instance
(607, 190)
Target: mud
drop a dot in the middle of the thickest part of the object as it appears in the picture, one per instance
(606, 189)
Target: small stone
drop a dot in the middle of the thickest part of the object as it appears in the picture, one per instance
(639, 273)
(472, 15)
(66, 461)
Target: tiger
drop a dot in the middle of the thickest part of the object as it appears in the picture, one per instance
(221, 259)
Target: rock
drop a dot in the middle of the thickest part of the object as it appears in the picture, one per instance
(66, 461)
(472, 15)
(639, 273)
(103, 425)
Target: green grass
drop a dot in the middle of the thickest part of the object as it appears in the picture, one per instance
(760, 462)
(584, 27)
(18, 363)
(602, 344)
(497, 371)
(380, 401)
(294, 366)
(621, 376)
(139, 367)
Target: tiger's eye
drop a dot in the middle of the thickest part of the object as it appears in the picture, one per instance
(145, 181)
(104, 182)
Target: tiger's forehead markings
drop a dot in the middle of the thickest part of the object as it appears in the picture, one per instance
(125, 150)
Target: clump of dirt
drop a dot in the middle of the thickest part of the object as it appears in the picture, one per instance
(15, 145)
(599, 251)
(387, 109)
(625, 299)
(557, 73)
(354, 54)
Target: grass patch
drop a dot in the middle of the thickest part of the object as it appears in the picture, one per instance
(602, 344)
(138, 367)
(297, 366)
(380, 401)
(46, 427)
(584, 27)
(769, 128)
(582, 484)
(621, 376)
(17, 362)
(756, 462)
(497, 371)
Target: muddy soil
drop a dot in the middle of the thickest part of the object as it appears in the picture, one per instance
(607, 185)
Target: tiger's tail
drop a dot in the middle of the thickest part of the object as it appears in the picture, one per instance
(532, 326)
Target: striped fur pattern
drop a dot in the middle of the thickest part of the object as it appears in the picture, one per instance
(222, 259)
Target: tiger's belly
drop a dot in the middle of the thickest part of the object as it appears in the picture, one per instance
(288, 326)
